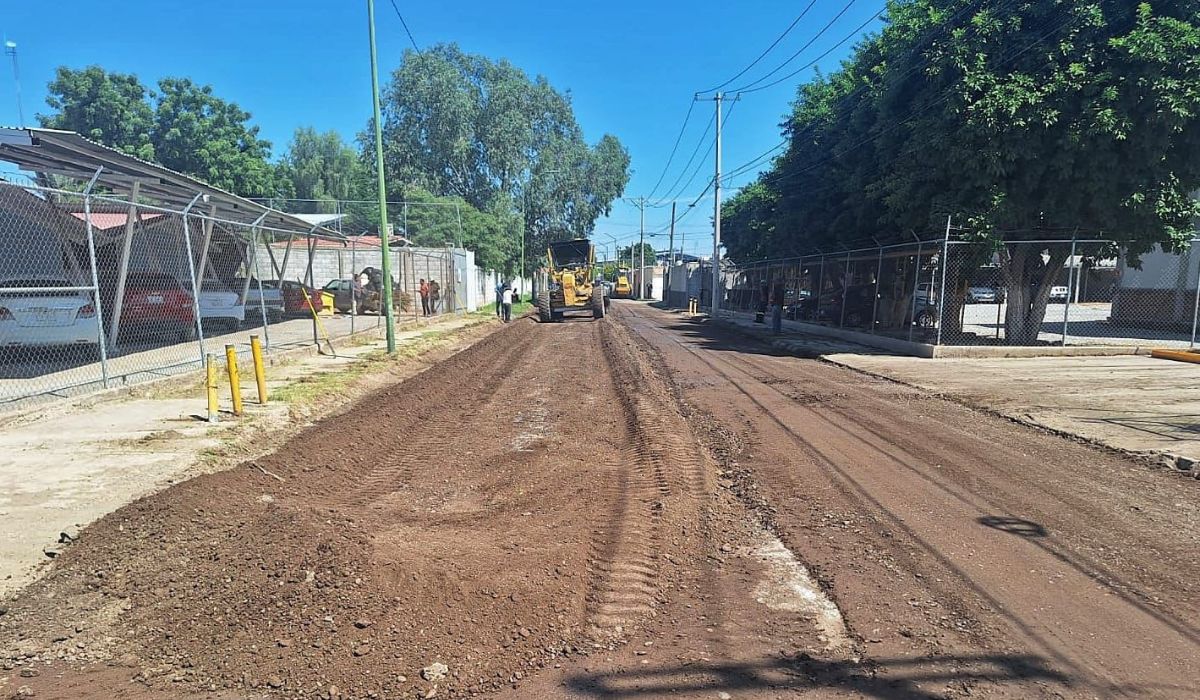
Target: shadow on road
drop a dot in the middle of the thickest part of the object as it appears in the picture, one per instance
(887, 679)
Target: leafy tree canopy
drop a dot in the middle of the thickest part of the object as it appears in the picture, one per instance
(322, 168)
(483, 130)
(184, 126)
(1018, 118)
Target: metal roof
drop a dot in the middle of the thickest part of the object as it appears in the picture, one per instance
(67, 153)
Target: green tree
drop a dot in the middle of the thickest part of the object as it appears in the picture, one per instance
(184, 126)
(322, 168)
(1026, 120)
(198, 133)
(109, 108)
(483, 130)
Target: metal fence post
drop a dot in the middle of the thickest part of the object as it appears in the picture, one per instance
(354, 298)
(91, 238)
(845, 290)
(817, 292)
(1070, 289)
(256, 233)
(942, 290)
(187, 242)
(875, 304)
(1196, 307)
(912, 321)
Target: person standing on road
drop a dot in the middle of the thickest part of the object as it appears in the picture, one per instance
(506, 301)
(424, 291)
(499, 299)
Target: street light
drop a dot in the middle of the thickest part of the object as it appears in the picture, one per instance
(10, 49)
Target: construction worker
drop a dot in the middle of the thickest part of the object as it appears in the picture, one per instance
(424, 291)
(506, 301)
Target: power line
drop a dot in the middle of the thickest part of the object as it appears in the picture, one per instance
(658, 203)
(802, 49)
(405, 25)
(675, 193)
(763, 55)
(947, 94)
(671, 158)
(927, 35)
(813, 62)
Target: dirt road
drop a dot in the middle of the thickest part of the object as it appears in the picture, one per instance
(632, 508)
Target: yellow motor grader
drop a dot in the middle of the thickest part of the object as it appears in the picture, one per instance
(570, 282)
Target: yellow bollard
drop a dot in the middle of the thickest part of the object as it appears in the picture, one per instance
(235, 382)
(210, 384)
(260, 373)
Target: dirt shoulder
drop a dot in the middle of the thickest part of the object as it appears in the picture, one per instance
(62, 468)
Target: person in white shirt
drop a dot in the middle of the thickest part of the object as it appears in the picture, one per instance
(506, 300)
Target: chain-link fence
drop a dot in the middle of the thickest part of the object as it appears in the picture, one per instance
(1028, 292)
(98, 291)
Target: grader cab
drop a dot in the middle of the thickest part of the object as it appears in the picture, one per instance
(570, 282)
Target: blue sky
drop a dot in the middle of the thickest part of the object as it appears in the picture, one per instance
(631, 67)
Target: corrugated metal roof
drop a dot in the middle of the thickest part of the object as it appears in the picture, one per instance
(68, 153)
(108, 220)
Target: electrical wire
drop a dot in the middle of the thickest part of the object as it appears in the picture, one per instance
(676, 192)
(770, 48)
(947, 94)
(927, 35)
(671, 158)
(405, 25)
(814, 62)
(695, 152)
(802, 49)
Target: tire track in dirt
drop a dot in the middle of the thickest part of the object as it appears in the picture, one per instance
(661, 471)
(867, 466)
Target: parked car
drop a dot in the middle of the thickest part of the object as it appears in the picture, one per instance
(156, 304)
(1059, 294)
(296, 299)
(343, 294)
(47, 318)
(221, 308)
(859, 302)
(272, 299)
(983, 295)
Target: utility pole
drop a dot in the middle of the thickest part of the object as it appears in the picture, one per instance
(717, 214)
(670, 258)
(384, 235)
(10, 48)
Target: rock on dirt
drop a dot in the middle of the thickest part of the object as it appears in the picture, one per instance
(435, 671)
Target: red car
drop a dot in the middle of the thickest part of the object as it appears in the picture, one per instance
(155, 304)
(294, 302)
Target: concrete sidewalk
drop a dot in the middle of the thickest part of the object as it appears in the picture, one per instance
(1132, 403)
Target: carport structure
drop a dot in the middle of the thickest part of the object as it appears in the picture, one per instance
(124, 203)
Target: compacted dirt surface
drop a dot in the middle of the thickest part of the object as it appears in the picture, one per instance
(640, 507)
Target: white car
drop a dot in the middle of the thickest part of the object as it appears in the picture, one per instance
(272, 299)
(1059, 294)
(220, 308)
(47, 318)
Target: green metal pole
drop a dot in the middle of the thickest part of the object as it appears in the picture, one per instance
(384, 237)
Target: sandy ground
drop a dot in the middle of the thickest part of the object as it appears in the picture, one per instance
(62, 468)
(1132, 403)
(641, 507)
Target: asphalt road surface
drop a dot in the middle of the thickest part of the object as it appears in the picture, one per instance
(641, 507)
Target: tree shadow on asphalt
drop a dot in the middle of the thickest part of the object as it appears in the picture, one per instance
(900, 679)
